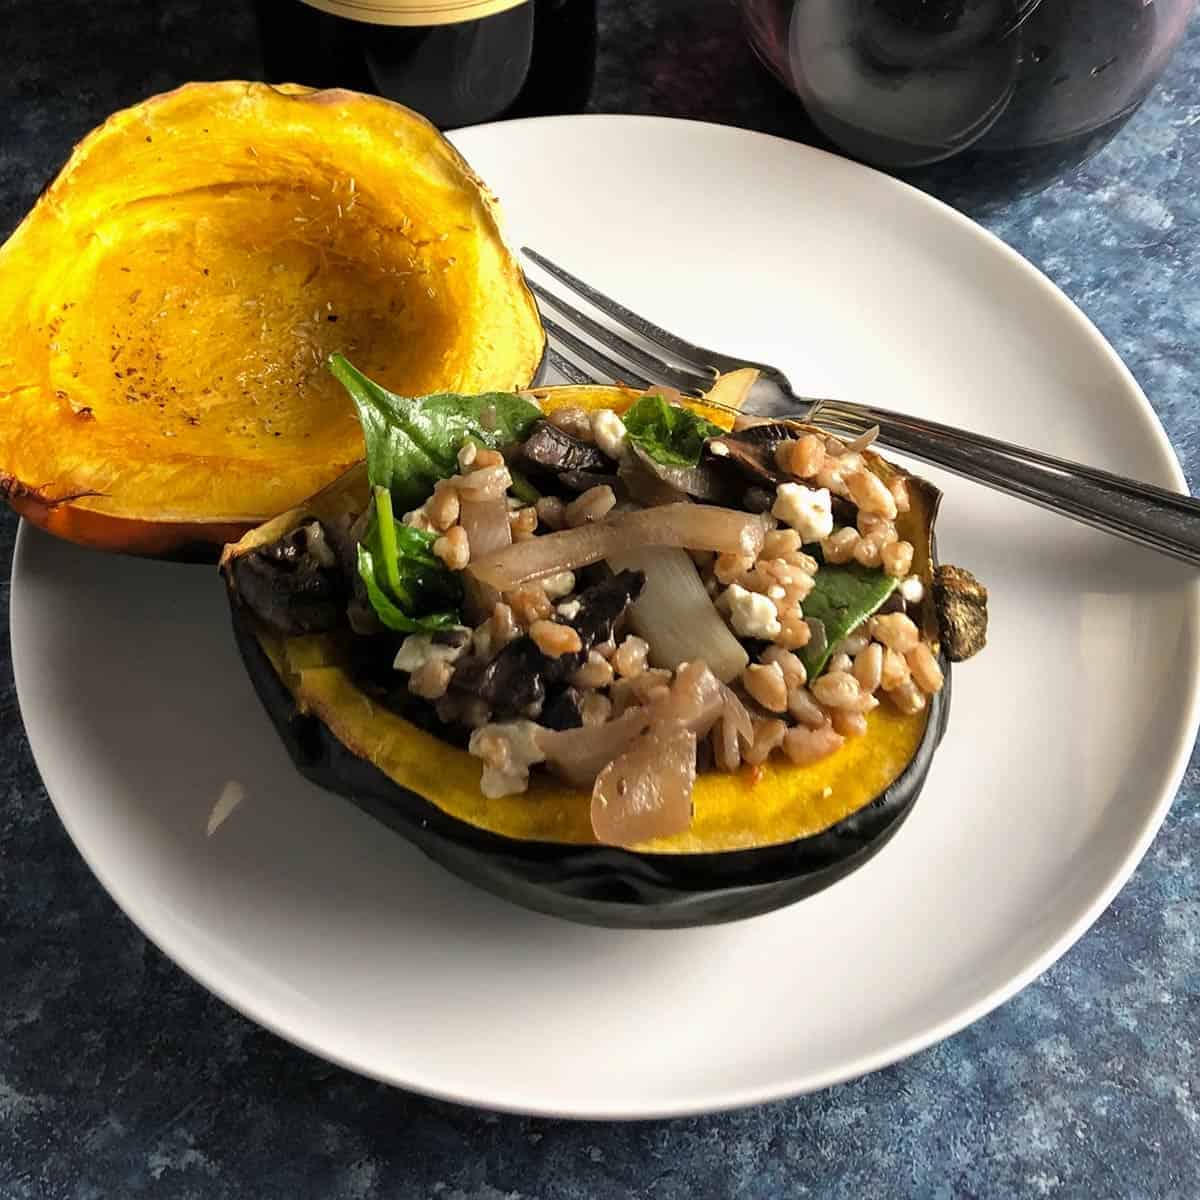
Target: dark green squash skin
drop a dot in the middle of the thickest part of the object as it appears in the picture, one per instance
(597, 885)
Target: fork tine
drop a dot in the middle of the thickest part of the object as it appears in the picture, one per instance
(566, 368)
(698, 357)
(685, 379)
(585, 350)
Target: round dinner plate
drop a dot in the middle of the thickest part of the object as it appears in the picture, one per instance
(1068, 737)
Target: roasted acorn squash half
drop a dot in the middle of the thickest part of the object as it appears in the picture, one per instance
(760, 839)
(167, 306)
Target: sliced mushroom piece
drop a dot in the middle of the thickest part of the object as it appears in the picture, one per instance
(960, 602)
(563, 710)
(708, 480)
(549, 450)
(521, 677)
(293, 585)
(752, 451)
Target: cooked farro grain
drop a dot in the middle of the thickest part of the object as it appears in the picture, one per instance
(554, 639)
(558, 585)
(780, 542)
(897, 559)
(840, 661)
(868, 552)
(466, 455)
(523, 523)
(442, 507)
(629, 658)
(529, 603)
(768, 737)
(896, 631)
(453, 548)
(805, 456)
(595, 709)
(794, 633)
(486, 458)
(483, 483)
(595, 672)
(593, 504)
(805, 709)
(894, 672)
(606, 649)
(837, 689)
(648, 685)
(789, 663)
(899, 489)
(766, 683)
(908, 698)
(867, 522)
(431, 679)
(870, 493)
(807, 746)
(496, 632)
(839, 547)
(849, 724)
(728, 567)
(925, 670)
(868, 667)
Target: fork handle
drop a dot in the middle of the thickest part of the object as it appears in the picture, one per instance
(1151, 516)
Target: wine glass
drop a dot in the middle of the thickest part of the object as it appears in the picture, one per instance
(1026, 88)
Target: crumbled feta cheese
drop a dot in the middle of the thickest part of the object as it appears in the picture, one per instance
(913, 590)
(558, 586)
(809, 511)
(508, 750)
(719, 449)
(752, 615)
(569, 609)
(608, 430)
(420, 648)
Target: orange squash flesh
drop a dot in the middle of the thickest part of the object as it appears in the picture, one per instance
(168, 306)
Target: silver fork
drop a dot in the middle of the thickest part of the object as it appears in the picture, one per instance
(641, 354)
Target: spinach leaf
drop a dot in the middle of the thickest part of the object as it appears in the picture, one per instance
(410, 588)
(412, 443)
(669, 433)
(844, 596)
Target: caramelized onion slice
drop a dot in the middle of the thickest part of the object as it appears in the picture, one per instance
(579, 755)
(689, 526)
(737, 715)
(647, 792)
(676, 615)
(696, 699)
(486, 525)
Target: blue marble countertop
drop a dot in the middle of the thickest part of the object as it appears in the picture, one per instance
(120, 1077)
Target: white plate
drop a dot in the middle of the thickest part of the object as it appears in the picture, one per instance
(1067, 739)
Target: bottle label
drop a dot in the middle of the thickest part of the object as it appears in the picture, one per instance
(413, 12)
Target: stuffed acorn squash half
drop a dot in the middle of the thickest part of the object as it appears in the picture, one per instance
(168, 305)
(627, 659)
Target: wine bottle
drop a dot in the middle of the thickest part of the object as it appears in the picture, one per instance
(458, 62)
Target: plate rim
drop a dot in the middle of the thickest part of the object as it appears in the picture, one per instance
(797, 1084)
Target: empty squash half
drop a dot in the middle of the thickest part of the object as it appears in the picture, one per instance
(168, 306)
